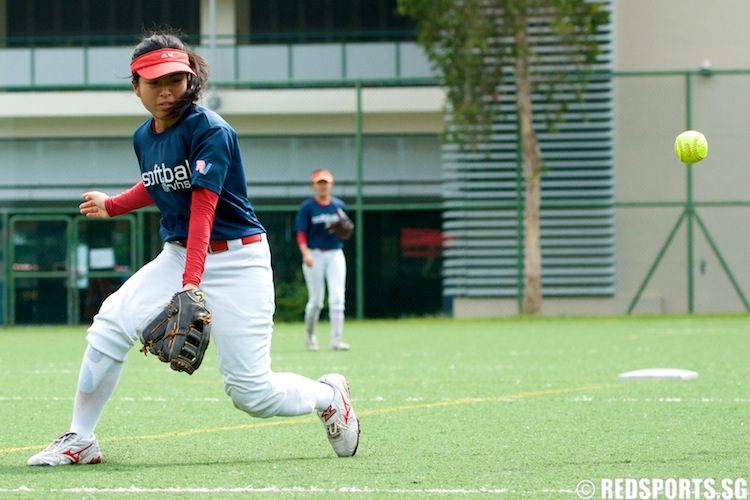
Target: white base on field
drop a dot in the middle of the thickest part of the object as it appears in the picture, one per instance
(659, 374)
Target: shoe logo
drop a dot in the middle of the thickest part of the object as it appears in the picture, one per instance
(77, 455)
(329, 413)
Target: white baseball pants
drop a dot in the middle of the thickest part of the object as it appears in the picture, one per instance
(239, 291)
(328, 271)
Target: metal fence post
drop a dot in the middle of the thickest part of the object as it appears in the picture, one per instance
(359, 233)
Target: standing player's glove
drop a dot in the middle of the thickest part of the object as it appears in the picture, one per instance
(179, 335)
(342, 228)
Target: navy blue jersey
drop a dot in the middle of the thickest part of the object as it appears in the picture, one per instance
(201, 149)
(312, 218)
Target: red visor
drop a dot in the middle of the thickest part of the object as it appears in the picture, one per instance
(322, 175)
(158, 63)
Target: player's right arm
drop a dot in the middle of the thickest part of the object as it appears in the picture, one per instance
(304, 250)
(98, 205)
(94, 205)
(301, 225)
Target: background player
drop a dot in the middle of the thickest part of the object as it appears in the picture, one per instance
(192, 169)
(323, 261)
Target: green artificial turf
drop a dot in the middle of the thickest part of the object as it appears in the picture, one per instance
(517, 408)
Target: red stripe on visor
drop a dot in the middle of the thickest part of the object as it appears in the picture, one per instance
(158, 63)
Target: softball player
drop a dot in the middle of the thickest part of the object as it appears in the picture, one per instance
(323, 262)
(191, 169)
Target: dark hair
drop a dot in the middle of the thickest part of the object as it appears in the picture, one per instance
(196, 83)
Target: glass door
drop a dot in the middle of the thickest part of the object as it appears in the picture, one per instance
(39, 270)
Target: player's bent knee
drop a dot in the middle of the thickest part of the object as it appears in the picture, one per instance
(255, 404)
(314, 308)
(336, 307)
(253, 410)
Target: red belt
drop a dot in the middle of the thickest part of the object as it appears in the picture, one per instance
(222, 246)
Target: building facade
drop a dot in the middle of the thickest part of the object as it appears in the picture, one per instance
(344, 86)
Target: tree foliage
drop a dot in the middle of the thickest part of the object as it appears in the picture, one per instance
(476, 45)
(473, 45)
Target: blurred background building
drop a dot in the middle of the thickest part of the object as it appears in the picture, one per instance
(343, 85)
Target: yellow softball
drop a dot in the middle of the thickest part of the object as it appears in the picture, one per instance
(691, 146)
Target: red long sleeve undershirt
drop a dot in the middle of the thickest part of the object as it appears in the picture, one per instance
(301, 238)
(202, 209)
(132, 199)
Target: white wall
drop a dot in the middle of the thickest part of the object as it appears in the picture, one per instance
(682, 35)
(673, 35)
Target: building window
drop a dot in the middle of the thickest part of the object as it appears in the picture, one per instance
(73, 23)
(303, 21)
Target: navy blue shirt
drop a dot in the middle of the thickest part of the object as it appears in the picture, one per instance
(312, 218)
(201, 149)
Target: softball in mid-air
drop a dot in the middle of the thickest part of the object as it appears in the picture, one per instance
(691, 146)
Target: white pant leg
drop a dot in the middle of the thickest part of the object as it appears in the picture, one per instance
(123, 314)
(315, 281)
(116, 328)
(336, 285)
(239, 290)
(238, 285)
(336, 279)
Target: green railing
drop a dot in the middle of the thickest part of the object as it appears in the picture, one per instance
(689, 213)
(40, 65)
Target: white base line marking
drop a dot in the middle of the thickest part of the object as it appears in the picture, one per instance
(294, 489)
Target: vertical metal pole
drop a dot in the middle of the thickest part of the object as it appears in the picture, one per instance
(289, 63)
(214, 101)
(520, 244)
(212, 29)
(360, 217)
(7, 266)
(140, 240)
(72, 237)
(32, 63)
(86, 64)
(398, 60)
(10, 313)
(689, 207)
(343, 61)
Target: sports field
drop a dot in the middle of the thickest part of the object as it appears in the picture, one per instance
(516, 408)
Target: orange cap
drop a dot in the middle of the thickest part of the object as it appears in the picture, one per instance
(322, 175)
(157, 63)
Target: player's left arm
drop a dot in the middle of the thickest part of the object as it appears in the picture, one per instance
(343, 227)
(203, 204)
(342, 210)
(209, 159)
